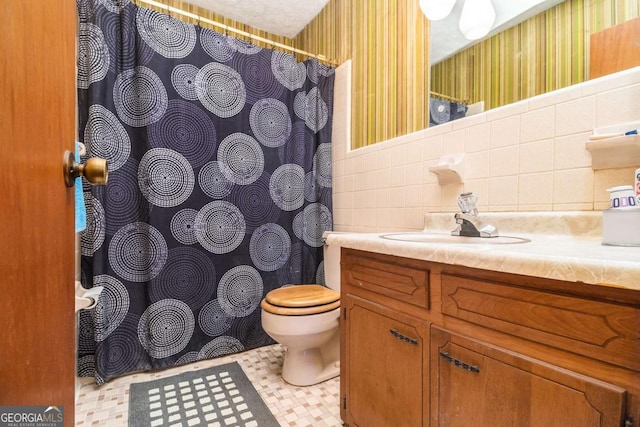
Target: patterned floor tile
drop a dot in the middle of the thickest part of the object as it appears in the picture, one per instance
(315, 406)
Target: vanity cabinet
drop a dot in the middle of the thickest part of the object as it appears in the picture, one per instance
(430, 344)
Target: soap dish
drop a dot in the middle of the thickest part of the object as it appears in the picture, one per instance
(450, 169)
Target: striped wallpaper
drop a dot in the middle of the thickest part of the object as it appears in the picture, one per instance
(387, 41)
(547, 52)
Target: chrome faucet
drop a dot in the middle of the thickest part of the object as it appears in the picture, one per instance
(469, 224)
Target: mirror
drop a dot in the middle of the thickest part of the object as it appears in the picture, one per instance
(447, 40)
(536, 46)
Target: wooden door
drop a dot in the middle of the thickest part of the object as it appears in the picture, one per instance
(385, 359)
(474, 384)
(37, 123)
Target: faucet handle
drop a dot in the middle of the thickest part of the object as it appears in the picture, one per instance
(468, 203)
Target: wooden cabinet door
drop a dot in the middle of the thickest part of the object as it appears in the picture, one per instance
(384, 353)
(475, 384)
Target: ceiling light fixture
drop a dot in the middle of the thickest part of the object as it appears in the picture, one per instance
(477, 18)
(435, 10)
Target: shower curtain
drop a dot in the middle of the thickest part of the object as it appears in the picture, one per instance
(219, 186)
(443, 111)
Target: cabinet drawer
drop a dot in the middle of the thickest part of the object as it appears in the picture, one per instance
(402, 279)
(602, 330)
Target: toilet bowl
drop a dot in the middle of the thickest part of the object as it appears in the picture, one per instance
(305, 319)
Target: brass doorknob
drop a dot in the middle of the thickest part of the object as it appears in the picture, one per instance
(95, 170)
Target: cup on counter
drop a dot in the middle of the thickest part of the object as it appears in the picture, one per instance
(622, 196)
(637, 176)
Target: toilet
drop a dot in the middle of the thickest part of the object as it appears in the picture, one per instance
(305, 319)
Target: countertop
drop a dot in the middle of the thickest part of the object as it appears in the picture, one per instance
(576, 254)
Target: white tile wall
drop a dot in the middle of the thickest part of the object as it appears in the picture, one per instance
(537, 156)
(526, 156)
(536, 125)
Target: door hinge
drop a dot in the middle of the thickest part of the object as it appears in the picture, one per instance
(344, 402)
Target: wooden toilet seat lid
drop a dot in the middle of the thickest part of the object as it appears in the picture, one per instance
(302, 296)
(301, 300)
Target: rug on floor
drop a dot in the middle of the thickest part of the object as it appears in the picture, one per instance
(219, 396)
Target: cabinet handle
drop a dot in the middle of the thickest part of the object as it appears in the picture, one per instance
(459, 363)
(404, 338)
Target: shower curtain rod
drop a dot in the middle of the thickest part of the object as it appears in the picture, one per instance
(227, 28)
(447, 97)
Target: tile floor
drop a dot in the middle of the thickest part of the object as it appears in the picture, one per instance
(316, 406)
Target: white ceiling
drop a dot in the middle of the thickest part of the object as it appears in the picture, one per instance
(288, 17)
(281, 17)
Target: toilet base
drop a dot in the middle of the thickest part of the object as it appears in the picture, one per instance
(307, 367)
(312, 343)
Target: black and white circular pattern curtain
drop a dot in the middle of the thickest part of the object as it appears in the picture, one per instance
(219, 189)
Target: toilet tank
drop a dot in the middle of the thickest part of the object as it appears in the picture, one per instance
(331, 264)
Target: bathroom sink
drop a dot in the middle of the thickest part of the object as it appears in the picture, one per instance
(422, 237)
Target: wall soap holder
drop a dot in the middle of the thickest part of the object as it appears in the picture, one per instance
(450, 169)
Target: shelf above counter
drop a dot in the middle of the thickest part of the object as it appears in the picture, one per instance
(616, 152)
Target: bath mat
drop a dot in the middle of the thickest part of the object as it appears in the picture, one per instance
(219, 396)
